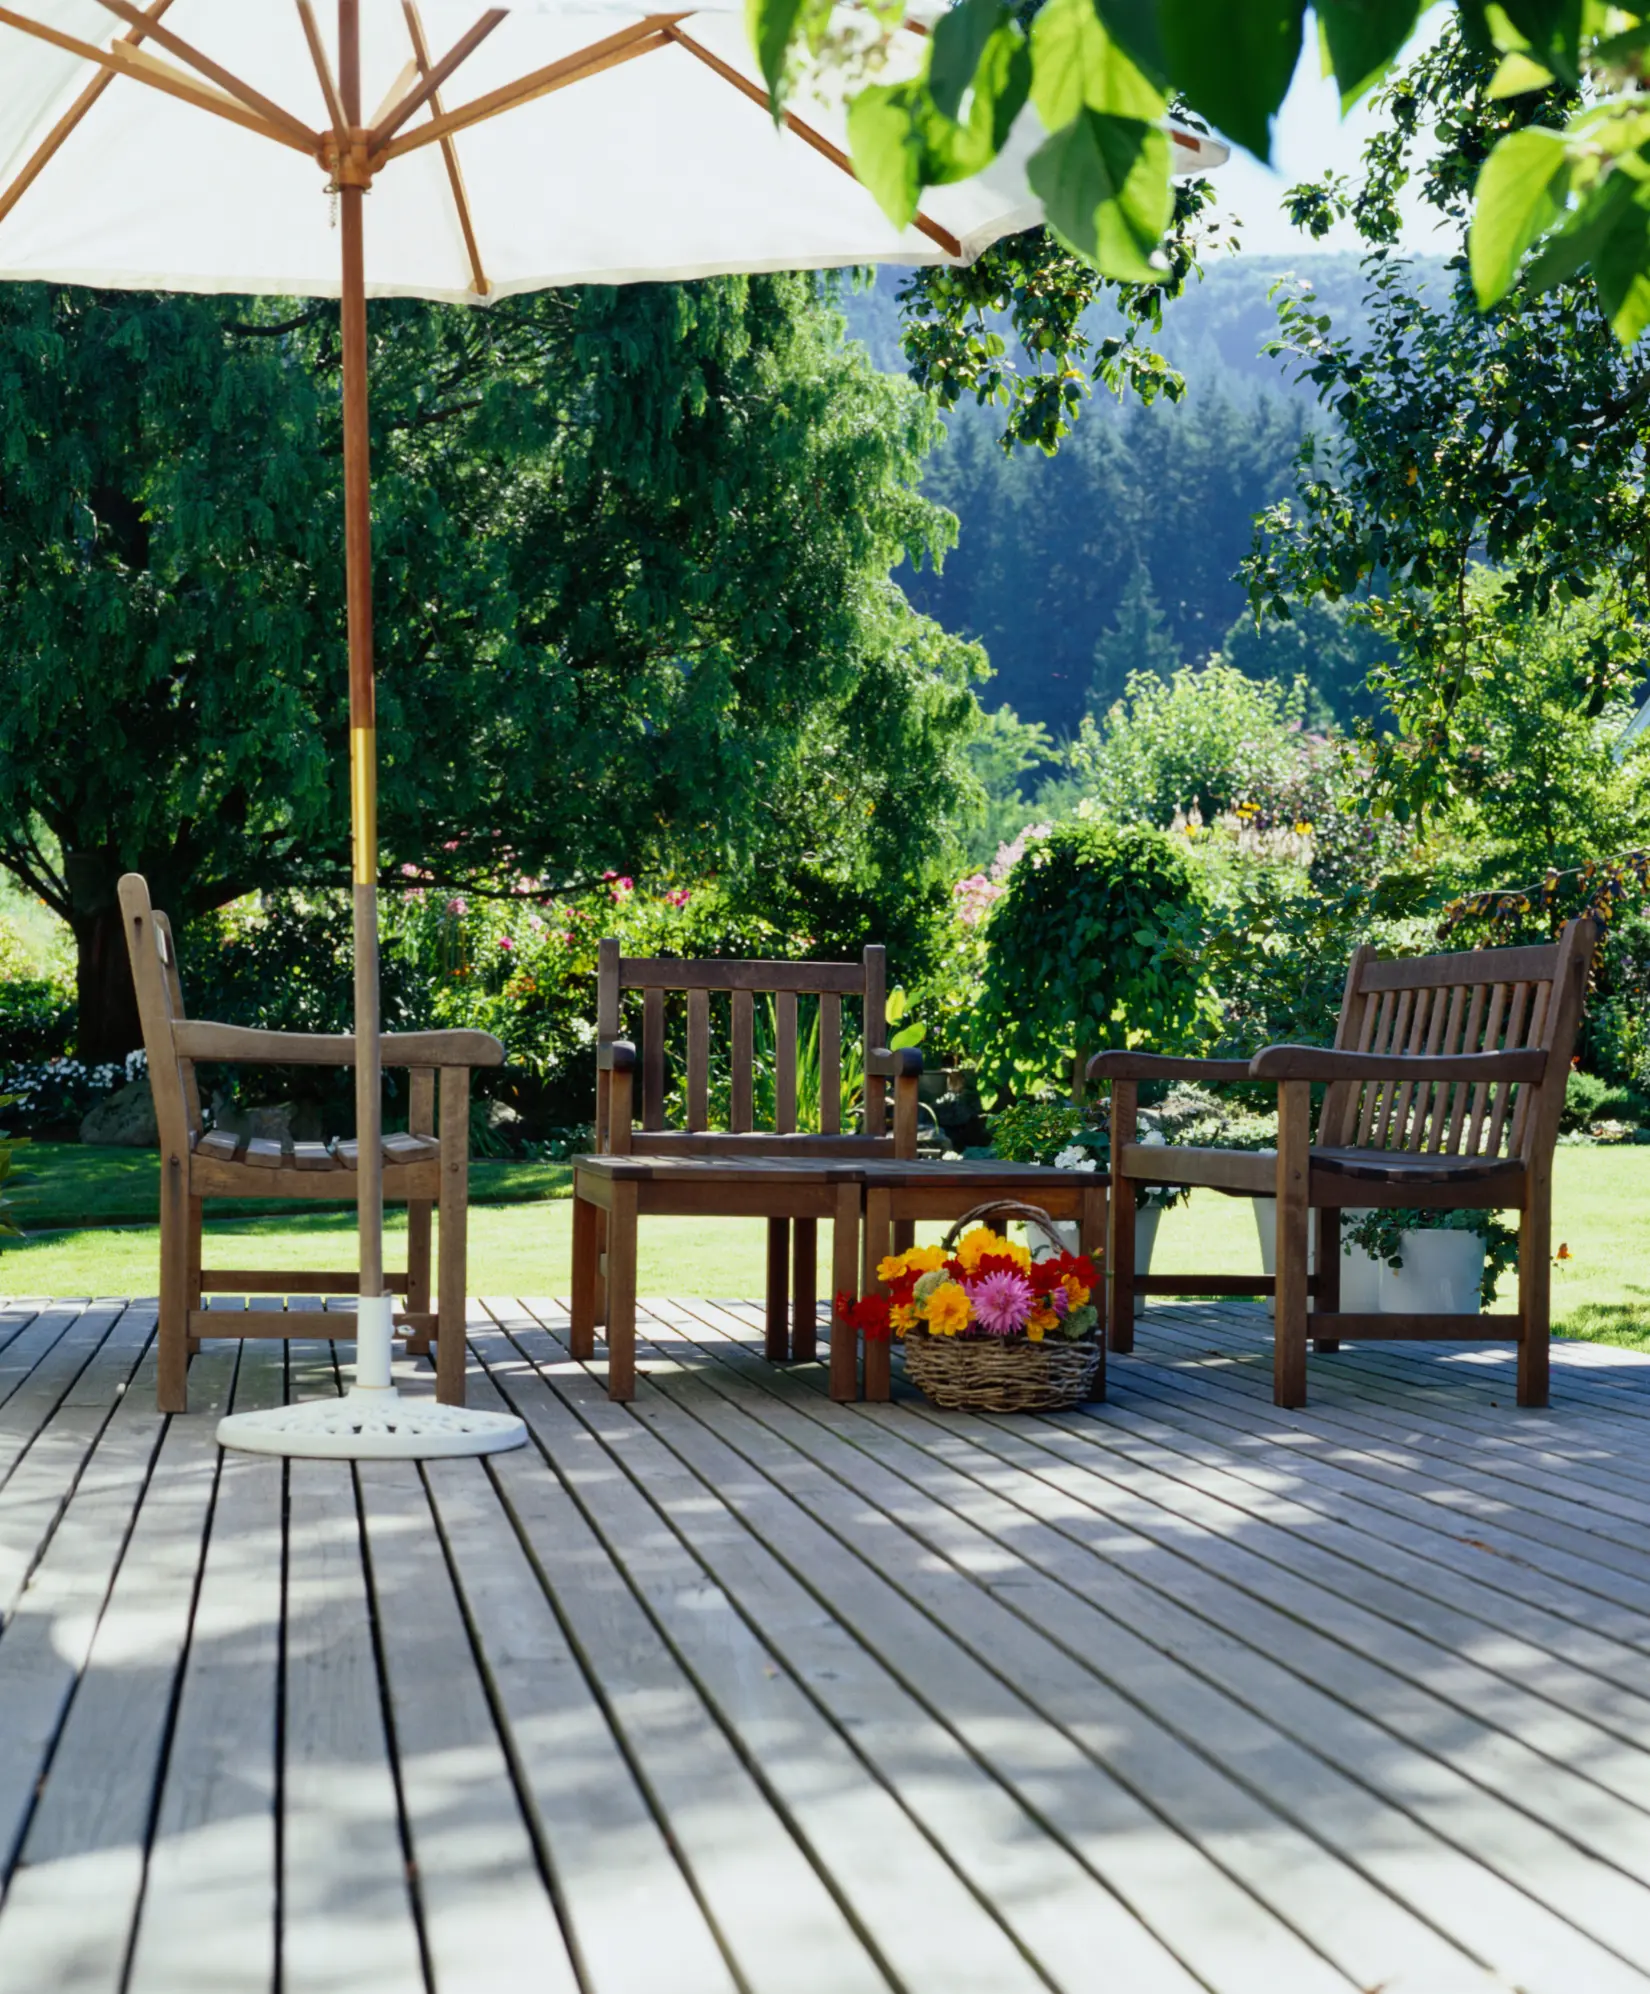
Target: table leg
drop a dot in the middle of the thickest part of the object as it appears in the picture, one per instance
(805, 1291)
(844, 1280)
(621, 1293)
(586, 1247)
(1091, 1234)
(777, 1347)
(879, 1213)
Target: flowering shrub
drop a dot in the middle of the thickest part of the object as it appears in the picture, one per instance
(52, 1092)
(988, 1287)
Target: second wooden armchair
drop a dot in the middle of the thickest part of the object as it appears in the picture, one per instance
(1442, 1090)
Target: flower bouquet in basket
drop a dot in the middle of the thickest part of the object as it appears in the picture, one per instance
(982, 1325)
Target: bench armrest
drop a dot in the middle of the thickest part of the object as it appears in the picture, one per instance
(1158, 1066)
(906, 1064)
(199, 1039)
(617, 1056)
(1312, 1062)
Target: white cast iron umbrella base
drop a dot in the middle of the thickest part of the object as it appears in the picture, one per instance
(372, 1421)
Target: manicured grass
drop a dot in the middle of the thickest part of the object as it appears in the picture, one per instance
(1601, 1210)
(58, 1184)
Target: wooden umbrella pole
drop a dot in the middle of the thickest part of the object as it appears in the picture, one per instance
(363, 737)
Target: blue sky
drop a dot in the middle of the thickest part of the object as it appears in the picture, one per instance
(1308, 139)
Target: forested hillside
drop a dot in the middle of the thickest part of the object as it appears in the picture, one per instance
(1119, 553)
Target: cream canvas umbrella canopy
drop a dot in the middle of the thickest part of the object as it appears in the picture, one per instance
(230, 145)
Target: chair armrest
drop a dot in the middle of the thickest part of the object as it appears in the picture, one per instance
(1158, 1066)
(906, 1064)
(617, 1056)
(1312, 1062)
(199, 1039)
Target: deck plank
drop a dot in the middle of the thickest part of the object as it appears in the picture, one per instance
(735, 1690)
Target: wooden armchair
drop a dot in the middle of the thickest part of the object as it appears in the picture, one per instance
(792, 1256)
(420, 1169)
(1443, 1091)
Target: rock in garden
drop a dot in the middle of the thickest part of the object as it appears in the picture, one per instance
(125, 1120)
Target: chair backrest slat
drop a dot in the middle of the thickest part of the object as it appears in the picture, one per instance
(1516, 1023)
(876, 1034)
(784, 1062)
(1388, 1089)
(742, 1078)
(1449, 1042)
(698, 1059)
(1461, 1092)
(174, 991)
(653, 1058)
(608, 1007)
(1480, 1092)
(1527, 1095)
(1377, 1043)
(830, 1064)
(160, 1004)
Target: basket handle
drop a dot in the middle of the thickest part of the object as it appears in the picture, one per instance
(1006, 1208)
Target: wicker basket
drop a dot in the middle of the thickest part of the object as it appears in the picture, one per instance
(1004, 1373)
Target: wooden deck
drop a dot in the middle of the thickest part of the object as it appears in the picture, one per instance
(739, 1692)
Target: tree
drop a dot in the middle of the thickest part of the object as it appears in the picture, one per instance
(1516, 438)
(631, 591)
(1137, 640)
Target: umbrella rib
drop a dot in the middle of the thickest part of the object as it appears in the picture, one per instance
(125, 59)
(449, 154)
(934, 231)
(60, 134)
(214, 72)
(638, 39)
(461, 50)
(323, 71)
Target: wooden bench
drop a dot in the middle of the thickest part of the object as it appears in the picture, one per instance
(423, 1169)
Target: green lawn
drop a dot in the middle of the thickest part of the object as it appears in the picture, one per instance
(520, 1228)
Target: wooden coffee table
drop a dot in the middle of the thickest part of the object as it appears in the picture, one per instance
(897, 1195)
(626, 1188)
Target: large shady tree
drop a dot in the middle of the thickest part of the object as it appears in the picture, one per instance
(632, 592)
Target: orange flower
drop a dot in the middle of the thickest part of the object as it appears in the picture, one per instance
(1563, 1253)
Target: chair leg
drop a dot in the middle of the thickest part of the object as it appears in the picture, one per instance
(879, 1225)
(172, 1385)
(777, 1347)
(844, 1280)
(1091, 1235)
(455, 1211)
(586, 1230)
(621, 1293)
(194, 1287)
(804, 1291)
(1535, 1282)
(418, 1271)
(1327, 1232)
(1289, 1307)
(599, 1313)
(1120, 1265)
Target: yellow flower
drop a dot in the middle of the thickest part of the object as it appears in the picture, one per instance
(924, 1259)
(949, 1310)
(974, 1246)
(1034, 1330)
(1076, 1293)
(1038, 1321)
(892, 1268)
(903, 1316)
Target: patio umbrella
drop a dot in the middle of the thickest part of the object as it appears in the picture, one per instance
(229, 146)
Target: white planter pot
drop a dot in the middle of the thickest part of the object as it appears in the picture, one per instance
(1360, 1276)
(1145, 1238)
(1440, 1275)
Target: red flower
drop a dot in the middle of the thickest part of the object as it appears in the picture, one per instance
(868, 1318)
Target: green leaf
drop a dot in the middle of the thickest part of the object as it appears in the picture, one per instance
(1135, 27)
(959, 40)
(1104, 184)
(1362, 38)
(1549, 30)
(902, 143)
(1234, 62)
(1621, 266)
(885, 137)
(1517, 74)
(771, 24)
(1520, 196)
(1076, 63)
(1583, 235)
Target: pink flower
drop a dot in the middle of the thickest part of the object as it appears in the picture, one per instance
(621, 887)
(1001, 1303)
(409, 871)
(451, 845)
(505, 942)
(679, 896)
(535, 923)
(974, 898)
(458, 905)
